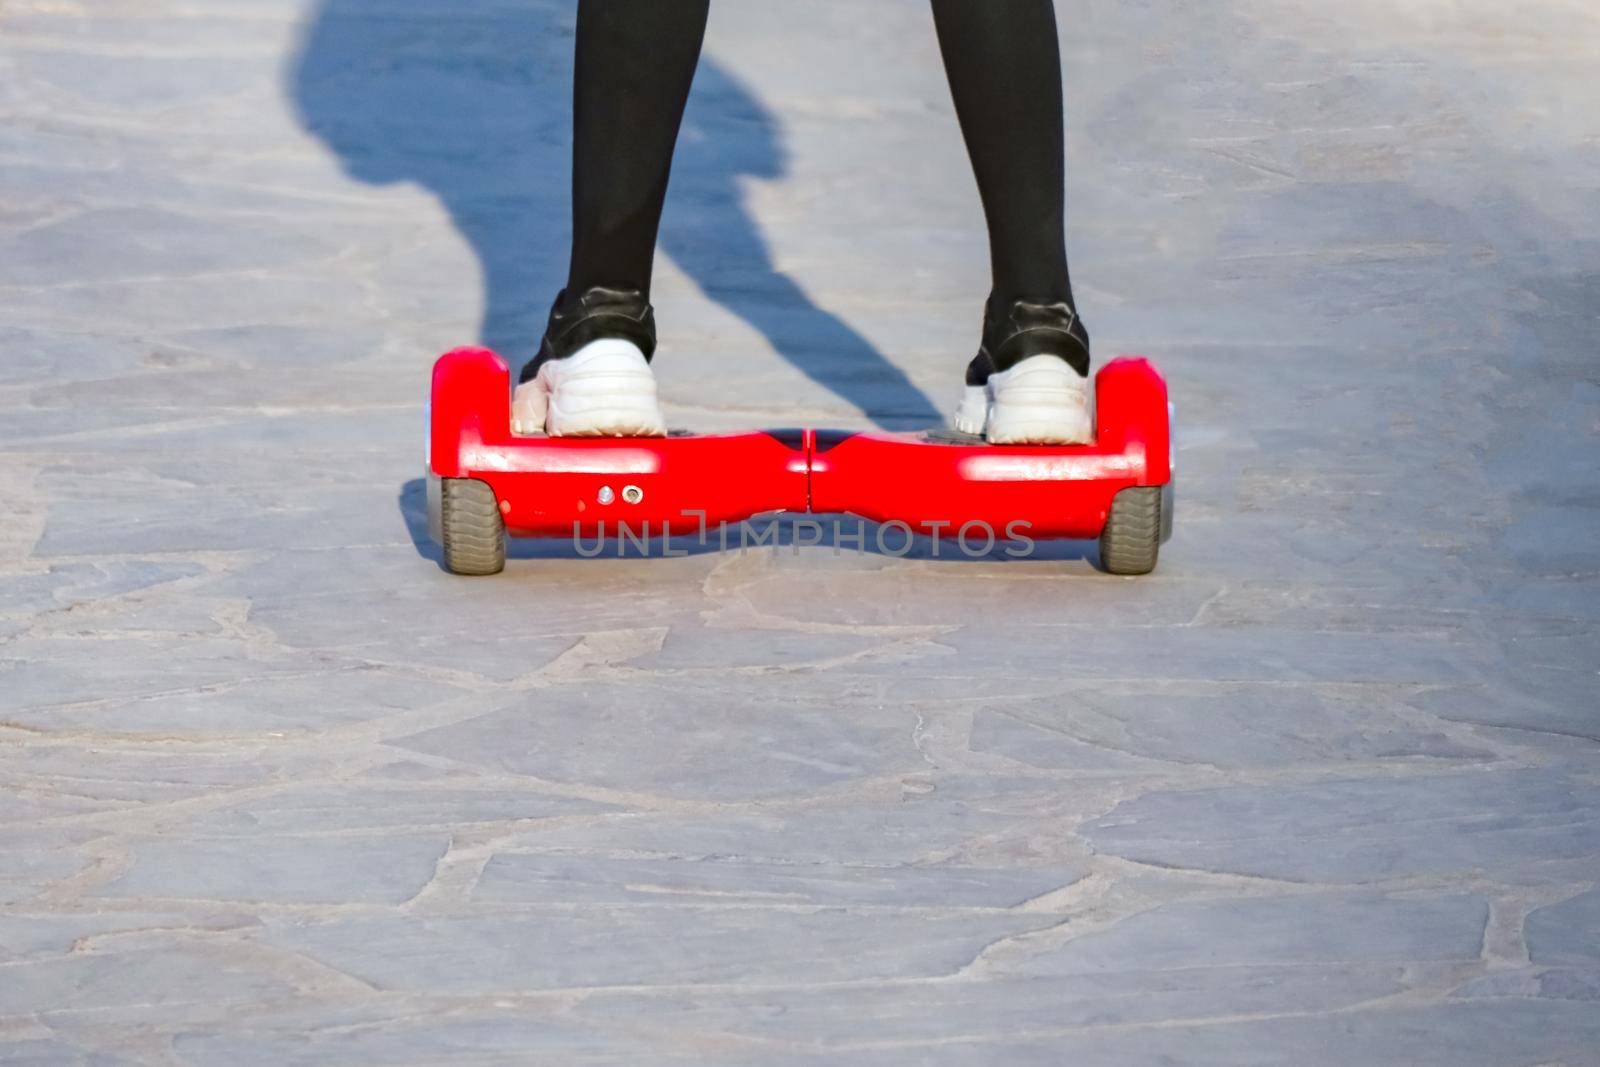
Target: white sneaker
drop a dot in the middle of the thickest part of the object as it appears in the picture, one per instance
(604, 389)
(1040, 401)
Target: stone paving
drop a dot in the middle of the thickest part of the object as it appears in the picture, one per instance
(276, 790)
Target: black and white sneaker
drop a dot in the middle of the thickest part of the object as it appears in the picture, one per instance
(592, 375)
(1028, 384)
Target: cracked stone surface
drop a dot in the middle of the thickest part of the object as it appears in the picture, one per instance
(276, 790)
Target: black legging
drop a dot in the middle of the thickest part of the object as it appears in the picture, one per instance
(635, 62)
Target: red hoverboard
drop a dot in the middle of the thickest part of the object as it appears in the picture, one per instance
(484, 482)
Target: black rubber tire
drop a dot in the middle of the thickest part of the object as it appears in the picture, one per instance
(474, 532)
(1131, 540)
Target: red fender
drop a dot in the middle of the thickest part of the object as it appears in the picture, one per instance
(571, 486)
(1038, 491)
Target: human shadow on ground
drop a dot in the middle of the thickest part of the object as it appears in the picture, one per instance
(471, 99)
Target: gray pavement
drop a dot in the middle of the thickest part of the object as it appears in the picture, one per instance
(274, 789)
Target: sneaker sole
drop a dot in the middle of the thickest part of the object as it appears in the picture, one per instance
(972, 415)
(614, 420)
(1041, 401)
(605, 404)
(1042, 426)
(609, 394)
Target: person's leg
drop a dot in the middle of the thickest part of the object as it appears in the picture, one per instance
(635, 61)
(1004, 68)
